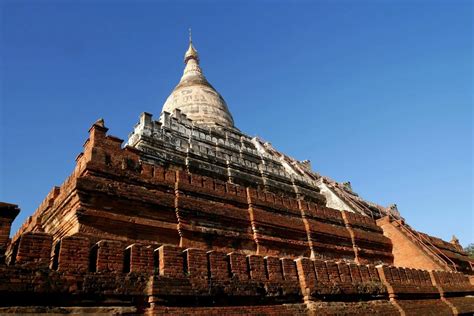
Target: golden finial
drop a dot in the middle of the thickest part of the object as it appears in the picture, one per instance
(191, 53)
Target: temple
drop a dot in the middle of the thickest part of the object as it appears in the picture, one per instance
(192, 216)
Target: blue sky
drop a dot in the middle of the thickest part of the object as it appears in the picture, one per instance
(375, 92)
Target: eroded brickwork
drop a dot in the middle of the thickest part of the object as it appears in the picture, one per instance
(158, 280)
(164, 238)
(121, 197)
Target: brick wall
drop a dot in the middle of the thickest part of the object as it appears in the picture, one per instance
(372, 246)
(76, 268)
(115, 194)
(144, 234)
(420, 292)
(405, 252)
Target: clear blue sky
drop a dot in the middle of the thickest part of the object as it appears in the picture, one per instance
(376, 92)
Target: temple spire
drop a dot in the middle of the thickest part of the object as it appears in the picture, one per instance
(191, 53)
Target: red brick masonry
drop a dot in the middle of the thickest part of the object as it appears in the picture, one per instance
(113, 194)
(125, 236)
(170, 279)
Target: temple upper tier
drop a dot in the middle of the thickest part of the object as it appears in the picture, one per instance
(196, 131)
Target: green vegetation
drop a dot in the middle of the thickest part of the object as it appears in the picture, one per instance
(470, 250)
